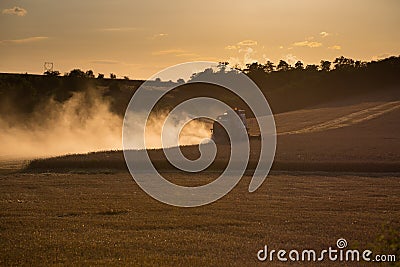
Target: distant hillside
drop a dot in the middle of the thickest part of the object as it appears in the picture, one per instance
(356, 135)
(286, 87)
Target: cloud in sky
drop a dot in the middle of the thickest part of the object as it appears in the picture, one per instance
(25, 40)
(308, 44)
(169, 52)
(159, 35)
(324, 34)
(247, 43)
(246, 52)
(119, 29)
(246, 56)
(231, 47)
(335, 47)
(291, 59)
(239, 45)
(18, 11)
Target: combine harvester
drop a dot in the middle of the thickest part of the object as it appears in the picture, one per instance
(218, 133)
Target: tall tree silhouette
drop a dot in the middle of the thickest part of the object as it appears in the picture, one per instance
(269, 67)
(283, 66)
(89, 74)
(299, 65)
(76, 73)
(325, 65)
(343, 63)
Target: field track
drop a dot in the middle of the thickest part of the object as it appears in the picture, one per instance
(349, 120)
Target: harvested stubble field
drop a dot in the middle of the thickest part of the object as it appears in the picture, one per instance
(336, 175)
(99, 219)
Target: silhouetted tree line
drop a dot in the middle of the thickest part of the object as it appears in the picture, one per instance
(290, 87)
(286, 87)
(22, 94)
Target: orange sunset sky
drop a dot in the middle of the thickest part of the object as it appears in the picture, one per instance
(139, 38)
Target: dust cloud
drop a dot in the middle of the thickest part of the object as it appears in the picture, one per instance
(193, 132)
(81, 124)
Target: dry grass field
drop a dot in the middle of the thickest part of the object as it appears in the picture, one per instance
(336, 175)
(102, 219)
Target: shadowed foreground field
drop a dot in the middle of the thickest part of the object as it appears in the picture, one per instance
(91, 219)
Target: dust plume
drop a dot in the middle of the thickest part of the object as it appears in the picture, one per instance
(193, 132)
(81, 124)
